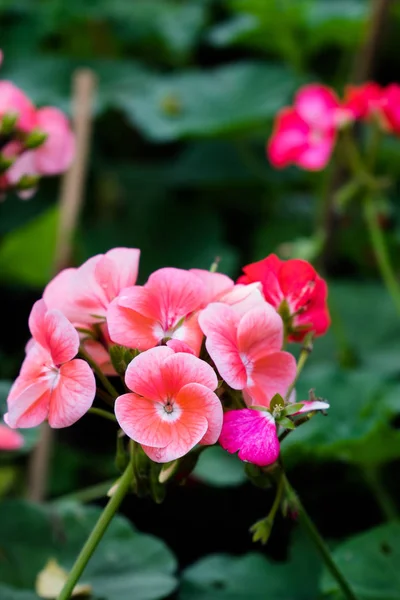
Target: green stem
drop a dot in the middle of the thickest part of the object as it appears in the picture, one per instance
(387, 506)
(380, 249)
(99, 373)
(314, 535)
(304, 354)
(97, 533)
(102, 413)
(87, 494)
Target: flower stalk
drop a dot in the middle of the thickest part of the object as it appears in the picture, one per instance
(319, 543)
(97, 533)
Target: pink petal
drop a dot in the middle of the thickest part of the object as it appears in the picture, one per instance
(118, 269)
(219, 323)
(144, 374)
(178, 346)
(311, 405)
(190, 333)
(317, 155)
(271, 375)
(215, 284)
(253, 434)
(10, 439)
(23, 165)
(52, 330)
(55, 155)
(181, 369)
(242, 298)
(30, 407)
(317, 105)
(132, 319)
(57, 294)
(179, 293)
(144, 420)
(260, 332)
(289, 138)
(13, 100)
(89, 297)
(73, 395)
(100, 355)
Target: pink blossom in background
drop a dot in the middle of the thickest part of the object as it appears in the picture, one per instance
(305, 134)
(246, 350)
(142, 316)
(172, 406)
(296, 283)
(253, 434)
(14, 102)
(56, 154)
(84, 294)
(50, 385)
(10, 439)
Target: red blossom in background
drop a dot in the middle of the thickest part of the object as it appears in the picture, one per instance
(297, 292)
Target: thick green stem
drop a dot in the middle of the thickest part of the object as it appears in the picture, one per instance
(102, 413)
(97, 533)
(386, 504)
(380, 249)
(99, 373)
(315, 537)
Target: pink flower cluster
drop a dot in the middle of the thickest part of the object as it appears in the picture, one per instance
(34, 142)
(184, 326)
(305, 133)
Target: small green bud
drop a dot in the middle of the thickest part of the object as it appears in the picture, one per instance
(35, 139)
(121, 357)
(171, 105)
(8, 123)
(262, 530)
(27, 182)
(5, 163)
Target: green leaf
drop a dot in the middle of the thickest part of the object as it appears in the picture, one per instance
(27, 253)
(124, 561)
(370, 563)
(7, 593)
(30, 435)
(219, 468)
(208, 103)
(357, 428)
(252, 576)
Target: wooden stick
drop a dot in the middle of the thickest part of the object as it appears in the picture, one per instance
(71, 199)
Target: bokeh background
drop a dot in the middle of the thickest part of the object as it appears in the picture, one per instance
(186, 95)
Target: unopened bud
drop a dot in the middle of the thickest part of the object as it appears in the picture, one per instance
(8, 123)
(28, 182)
(6, 162)
(35, 139)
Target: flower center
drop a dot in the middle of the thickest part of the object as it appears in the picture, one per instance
(168, 407)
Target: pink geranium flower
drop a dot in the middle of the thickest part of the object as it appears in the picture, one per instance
(253, 433)
(172, 406)
(142, 316)
(10, 439)
(246, 350)
(51, 385)
(305, 134)
(216, 284)
(84, 294)
(295, 289)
